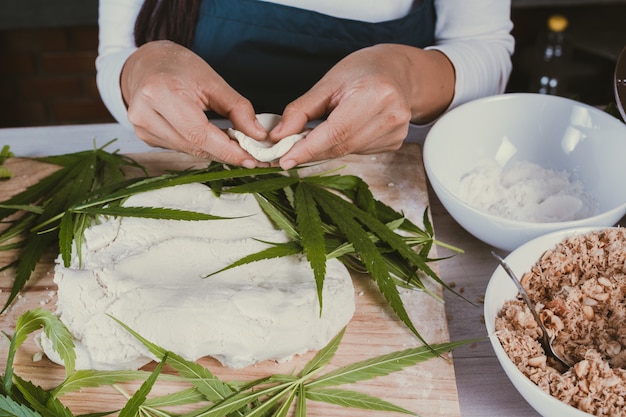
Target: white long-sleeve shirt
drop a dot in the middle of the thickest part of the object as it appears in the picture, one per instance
(475, 36)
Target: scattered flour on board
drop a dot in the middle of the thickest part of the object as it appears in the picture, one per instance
(526, 191)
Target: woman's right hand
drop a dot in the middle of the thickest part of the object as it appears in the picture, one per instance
(168, 88)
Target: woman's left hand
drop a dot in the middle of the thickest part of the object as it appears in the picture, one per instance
(370, 98)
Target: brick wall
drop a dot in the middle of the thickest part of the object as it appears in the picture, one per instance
(47, 77)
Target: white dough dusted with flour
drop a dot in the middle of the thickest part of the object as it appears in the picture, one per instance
(150, 275)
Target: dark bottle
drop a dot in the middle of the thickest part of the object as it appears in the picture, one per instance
(550, 70)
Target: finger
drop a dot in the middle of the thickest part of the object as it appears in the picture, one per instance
(192, 135)
(369, 133)
(156, 131)
(227, 102)
(292, 122)
(389, 141)
(197, 136)
(312, 105)
(165, 141)
(375, 143)
(333, 133)
(173, 140)
(243, 118)
(205, 90)
(209, 138)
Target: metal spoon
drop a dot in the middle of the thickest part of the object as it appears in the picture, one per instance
(546, 341)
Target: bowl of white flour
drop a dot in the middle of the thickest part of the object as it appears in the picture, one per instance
(512, 167)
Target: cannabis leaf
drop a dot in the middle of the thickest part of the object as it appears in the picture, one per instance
(10, 407)
(275, 394)
(55, 330)
(326, 216)
(203, 379)
(133, 405)
(312, 239)
(40, 400)
(338, 217)
(270, 395)
(352, 399)
(47, 202)
(90, 378)
(5, 173)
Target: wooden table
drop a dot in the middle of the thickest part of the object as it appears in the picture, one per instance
(483, 388)
(428, 388)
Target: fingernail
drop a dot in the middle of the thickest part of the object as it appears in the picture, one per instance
(249, 163)
(288, 164)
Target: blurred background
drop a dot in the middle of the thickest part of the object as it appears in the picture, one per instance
(48, 49)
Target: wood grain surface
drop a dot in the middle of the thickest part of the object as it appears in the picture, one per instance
(428, 389)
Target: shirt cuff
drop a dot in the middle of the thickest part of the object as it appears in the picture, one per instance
(109, 70)
(479, 70)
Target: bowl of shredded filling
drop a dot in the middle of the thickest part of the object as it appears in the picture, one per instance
(577, 280)
(512, 167)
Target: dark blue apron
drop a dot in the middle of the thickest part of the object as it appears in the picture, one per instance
(272, 54)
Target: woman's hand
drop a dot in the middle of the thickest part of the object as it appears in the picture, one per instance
(168, 88)
(370, 98)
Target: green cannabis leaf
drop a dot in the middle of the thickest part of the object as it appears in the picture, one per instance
(275, 394)
(5, 173)
(21, 396)
(310, 225)
(84, 378)
(204, 380)
(270, 395)
(47, 220)
(40, 400)
(134, 404)
(334, 216)
(326, 216)
(10, 407)
(54, 329)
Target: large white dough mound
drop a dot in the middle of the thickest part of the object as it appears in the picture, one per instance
(149, 274)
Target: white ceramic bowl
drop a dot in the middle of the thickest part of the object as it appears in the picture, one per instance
(554, 132)
(501, 289)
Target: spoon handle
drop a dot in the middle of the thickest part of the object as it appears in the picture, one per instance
(523, 293)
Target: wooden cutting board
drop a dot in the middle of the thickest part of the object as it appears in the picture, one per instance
(428, 389)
